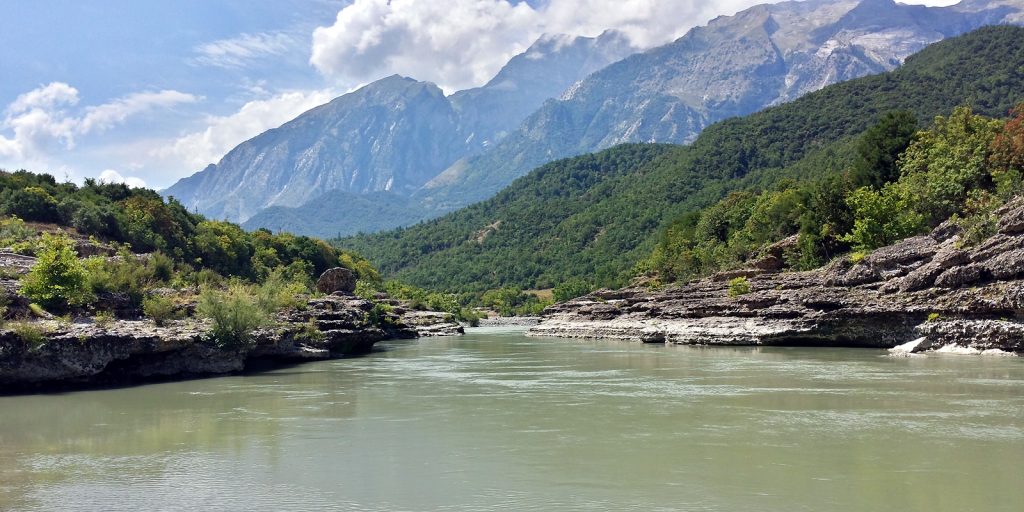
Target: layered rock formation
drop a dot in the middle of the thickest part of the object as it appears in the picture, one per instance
(131, 350)
(926, 289)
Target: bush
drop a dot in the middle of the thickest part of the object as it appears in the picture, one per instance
(33, 204)
(571, 289)
(159, 309)
(381, 315)
(58, 278)
(103, 319)
(234, 313)
(129, 274)
(33, 335)
(14, 231)
(278, 293)
(739, 286)
(309, 332)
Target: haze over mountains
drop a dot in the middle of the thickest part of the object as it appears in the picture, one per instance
(432, 154)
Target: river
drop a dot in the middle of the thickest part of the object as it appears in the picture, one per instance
(498, 421)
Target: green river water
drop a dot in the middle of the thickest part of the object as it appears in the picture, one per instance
(498, 421)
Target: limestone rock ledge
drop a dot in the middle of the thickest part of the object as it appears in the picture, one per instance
(134, 350)
(927, 288)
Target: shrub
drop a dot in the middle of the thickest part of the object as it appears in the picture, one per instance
(309, 332)
(159, 309)
(13, 231)
(739, 286)
(33, 335)
(160, 267)
(571, 289)
(103, 319)
(32, 203)
(469, 316)
(37, 311)
(856, 257)
(234, 313)
(381, 315)
(58, 278)
(278, 293)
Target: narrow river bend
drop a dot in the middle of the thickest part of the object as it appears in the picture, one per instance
(498, 421)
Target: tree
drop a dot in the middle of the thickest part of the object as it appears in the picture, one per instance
(943, 164)
(879, 148)
(1007, 158)
(58, 279)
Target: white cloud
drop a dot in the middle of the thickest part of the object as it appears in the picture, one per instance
(48, 96)
(222, 133)
(462, 43)
(112, 176)
(39, 120)
(238, 51)
(103, 117)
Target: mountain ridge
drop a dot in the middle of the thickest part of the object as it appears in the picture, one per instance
(391, 135)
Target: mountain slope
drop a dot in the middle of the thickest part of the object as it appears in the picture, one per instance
(735, 65)
(350, 213)
(392, 135)
(599, 239)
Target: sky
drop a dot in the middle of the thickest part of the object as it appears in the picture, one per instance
(148, 92)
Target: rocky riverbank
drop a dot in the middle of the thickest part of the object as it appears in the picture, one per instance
(88, 351)
(137, 350)
(927, 289)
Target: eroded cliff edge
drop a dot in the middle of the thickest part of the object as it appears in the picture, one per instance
(928, 290)
(130, 351)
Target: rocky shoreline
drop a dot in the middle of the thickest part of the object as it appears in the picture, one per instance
(926, 293)
(130, 351)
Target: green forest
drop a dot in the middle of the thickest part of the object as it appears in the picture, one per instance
(813, 166)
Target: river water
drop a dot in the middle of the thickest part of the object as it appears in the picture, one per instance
(497, 421)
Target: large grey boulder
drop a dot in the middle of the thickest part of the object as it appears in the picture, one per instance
(337, 279)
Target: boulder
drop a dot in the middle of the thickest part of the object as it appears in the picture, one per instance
(1008, 265)
(1011, 220)
(337, 279)
(960, 276)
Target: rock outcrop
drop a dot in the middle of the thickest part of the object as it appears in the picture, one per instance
(927, 289)
(338, 279)
(131, 350)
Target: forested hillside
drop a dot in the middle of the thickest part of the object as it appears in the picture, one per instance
(145, 222)
(531, 236)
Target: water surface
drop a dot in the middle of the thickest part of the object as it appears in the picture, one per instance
(498, 421)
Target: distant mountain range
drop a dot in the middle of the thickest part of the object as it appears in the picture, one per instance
(392, 135)
(593, 217)
(441, 153)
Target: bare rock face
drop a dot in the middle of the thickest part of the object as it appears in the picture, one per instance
(337, 279)
(884, 300)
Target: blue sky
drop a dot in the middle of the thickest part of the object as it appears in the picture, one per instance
(153, 90)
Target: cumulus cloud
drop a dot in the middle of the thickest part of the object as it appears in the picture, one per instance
(222, 133)
(237, 52)
(41, 118)
(112, 176)
(463, 43)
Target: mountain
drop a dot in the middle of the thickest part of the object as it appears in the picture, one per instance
(350, 213)
(594, 217)
(735, 65)
(392, 135)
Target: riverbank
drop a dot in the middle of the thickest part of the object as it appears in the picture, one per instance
(127, 351)
(929, 290)
(510, 321)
